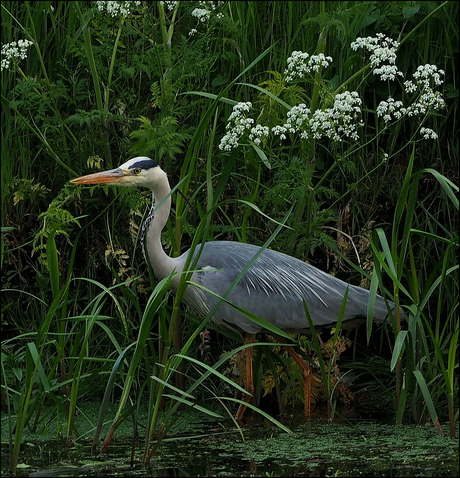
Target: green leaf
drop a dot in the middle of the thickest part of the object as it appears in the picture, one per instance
(399, 347)
(193, 405)
(261, 154)
(428, 400)
(447, 185)
(172, 387)
(410, 9)
(371, 304)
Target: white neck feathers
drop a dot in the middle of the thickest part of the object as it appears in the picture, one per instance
(161, 263)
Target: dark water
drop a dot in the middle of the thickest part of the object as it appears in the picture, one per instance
(316, 448)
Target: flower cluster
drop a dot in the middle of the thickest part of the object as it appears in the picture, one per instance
(426, 78)
(299, 64)
(297, 117)
(429, 100)
(410, 87)
(340, 120)
(387, 72)
(14, 51)
(319, 61)
(296, 65)
(203, 14)
(258, 132)
(425, 73)
(343, 118)
(114, 9)
(169, 5)
(334, 123)
(428, 133)
(383, 48)
(391, 109)
(383, 51)
(237, 124)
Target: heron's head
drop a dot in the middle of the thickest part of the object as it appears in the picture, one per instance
(141, 171)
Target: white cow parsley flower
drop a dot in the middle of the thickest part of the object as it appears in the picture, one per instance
(299, 64)
(428, 133)
(237, 124)
(115, 9)
(13, 52)
(383, 48)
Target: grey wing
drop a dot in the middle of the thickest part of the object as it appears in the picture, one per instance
(273, 288)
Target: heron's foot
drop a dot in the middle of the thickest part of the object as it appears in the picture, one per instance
(239, 414)
(242, 408)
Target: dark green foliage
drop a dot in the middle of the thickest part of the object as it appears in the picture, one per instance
(95, 90)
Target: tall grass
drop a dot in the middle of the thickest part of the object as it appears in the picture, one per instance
(425, 343)
(96, 89)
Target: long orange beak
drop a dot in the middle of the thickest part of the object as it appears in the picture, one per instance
(113, 176)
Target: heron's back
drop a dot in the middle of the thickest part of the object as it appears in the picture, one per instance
(274, 288)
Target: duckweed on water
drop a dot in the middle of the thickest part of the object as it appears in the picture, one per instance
(367, 446)
(198, 446)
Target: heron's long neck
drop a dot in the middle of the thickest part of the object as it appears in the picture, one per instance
(161, 263)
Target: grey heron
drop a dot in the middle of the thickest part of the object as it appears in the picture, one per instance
(274, 288)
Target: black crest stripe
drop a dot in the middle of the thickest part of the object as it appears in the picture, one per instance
(144, 164)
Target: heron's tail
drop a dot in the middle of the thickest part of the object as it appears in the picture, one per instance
(382, 307)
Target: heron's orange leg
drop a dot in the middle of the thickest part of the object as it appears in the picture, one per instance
(248, 377)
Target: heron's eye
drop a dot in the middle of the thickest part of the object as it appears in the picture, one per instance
(137, 170)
